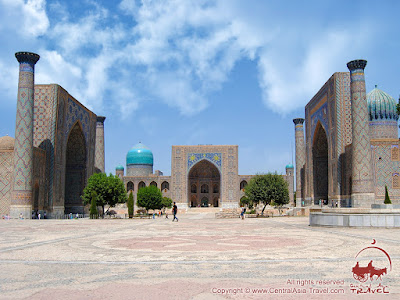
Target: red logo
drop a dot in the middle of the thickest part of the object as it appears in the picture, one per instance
(373, 271)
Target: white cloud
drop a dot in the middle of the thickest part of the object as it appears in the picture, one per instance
(27, 18)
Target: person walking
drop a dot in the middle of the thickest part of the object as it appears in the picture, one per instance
(175, 211)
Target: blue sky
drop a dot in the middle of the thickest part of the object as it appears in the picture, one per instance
(188, 72)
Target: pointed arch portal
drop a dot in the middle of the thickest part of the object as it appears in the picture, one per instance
(320, 165)
(204, 184)
(75, 170)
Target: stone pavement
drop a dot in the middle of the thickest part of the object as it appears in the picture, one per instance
(199, 257)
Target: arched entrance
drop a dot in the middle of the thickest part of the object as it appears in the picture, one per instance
(204, 184)
(75, 170)
(320, 165)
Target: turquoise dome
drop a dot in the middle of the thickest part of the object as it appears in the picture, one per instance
(119, 168)
(381, 106)
(139, 155)
(289, 166)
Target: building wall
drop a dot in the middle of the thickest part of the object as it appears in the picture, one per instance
(55, 114)
(225, 158)
(6, 180)
(330, 108)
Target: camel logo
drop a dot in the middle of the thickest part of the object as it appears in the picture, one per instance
(372, 271)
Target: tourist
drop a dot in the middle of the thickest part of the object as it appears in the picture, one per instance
(21, 217)
(39, 216)
(242, 213)
(175, 211)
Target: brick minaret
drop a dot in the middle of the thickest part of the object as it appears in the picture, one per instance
(99, 154)
(300, 158)
(21, 199)
(362, 194)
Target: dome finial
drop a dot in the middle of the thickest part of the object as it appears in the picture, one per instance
(376, 86)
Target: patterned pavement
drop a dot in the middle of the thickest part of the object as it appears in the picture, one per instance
(199, 257)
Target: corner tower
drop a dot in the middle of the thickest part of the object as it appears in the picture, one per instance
(300, 159)
(362, 194)
(21, 199)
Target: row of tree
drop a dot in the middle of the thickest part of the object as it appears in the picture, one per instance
(103, 190)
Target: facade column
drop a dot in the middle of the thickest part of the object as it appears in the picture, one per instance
(21, 199)
(99, 161)
(300, 159)
(290, 181)
(362, 194)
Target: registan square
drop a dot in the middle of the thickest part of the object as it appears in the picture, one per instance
(334, 234)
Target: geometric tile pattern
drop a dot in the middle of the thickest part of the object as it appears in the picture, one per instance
(193, 158)
(300, 154)
(99, 152)
(6, 172)
(23, 150)
(362, 177)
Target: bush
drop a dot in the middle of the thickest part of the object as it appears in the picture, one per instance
(149, 197)
(387, 199)
(130, 205)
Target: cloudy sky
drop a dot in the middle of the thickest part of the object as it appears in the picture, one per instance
(188, 72)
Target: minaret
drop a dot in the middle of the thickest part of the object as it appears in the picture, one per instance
(290, 181)
(362, 194)
(300, 158)
(99, 153)
(119, 171)
(21, 199)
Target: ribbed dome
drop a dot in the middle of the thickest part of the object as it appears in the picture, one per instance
(119, 168)
(6, 143)
(381, 106)
(289, 166)
(139, 155)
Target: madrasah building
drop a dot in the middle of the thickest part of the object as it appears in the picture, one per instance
(347, 146)
(59, 144)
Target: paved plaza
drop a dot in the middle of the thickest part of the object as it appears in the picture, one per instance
(199, 257)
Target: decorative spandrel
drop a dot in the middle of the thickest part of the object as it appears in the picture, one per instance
(215, 158)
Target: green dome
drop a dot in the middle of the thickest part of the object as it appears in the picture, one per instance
(119, 168)
(381, 106)
(289, 166)
(139, 155)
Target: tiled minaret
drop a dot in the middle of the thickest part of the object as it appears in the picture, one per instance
(362, 194)
(99, 155)
(21, 199)
(290, 181)
(300, 157)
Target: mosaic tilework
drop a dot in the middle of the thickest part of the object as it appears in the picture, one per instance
(44, 128)
(6, 172)
(74, 113)
(384, 169)
(193, 158)
(362, 171)
(99, 152)
(300, 154)
(23, 151)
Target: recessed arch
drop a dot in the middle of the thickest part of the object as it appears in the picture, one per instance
(141, 185)
(243, 184)
(75, 169)
(204, 182)
(153, 183)
(165, 185)
(320, 164)
(130, 186)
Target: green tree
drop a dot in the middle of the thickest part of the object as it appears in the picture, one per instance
(93, 206)
(149, 197)
(267, 188)
(387, 199)
(166, 202)
(245, 201)
(130, 205)
(110, 190)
